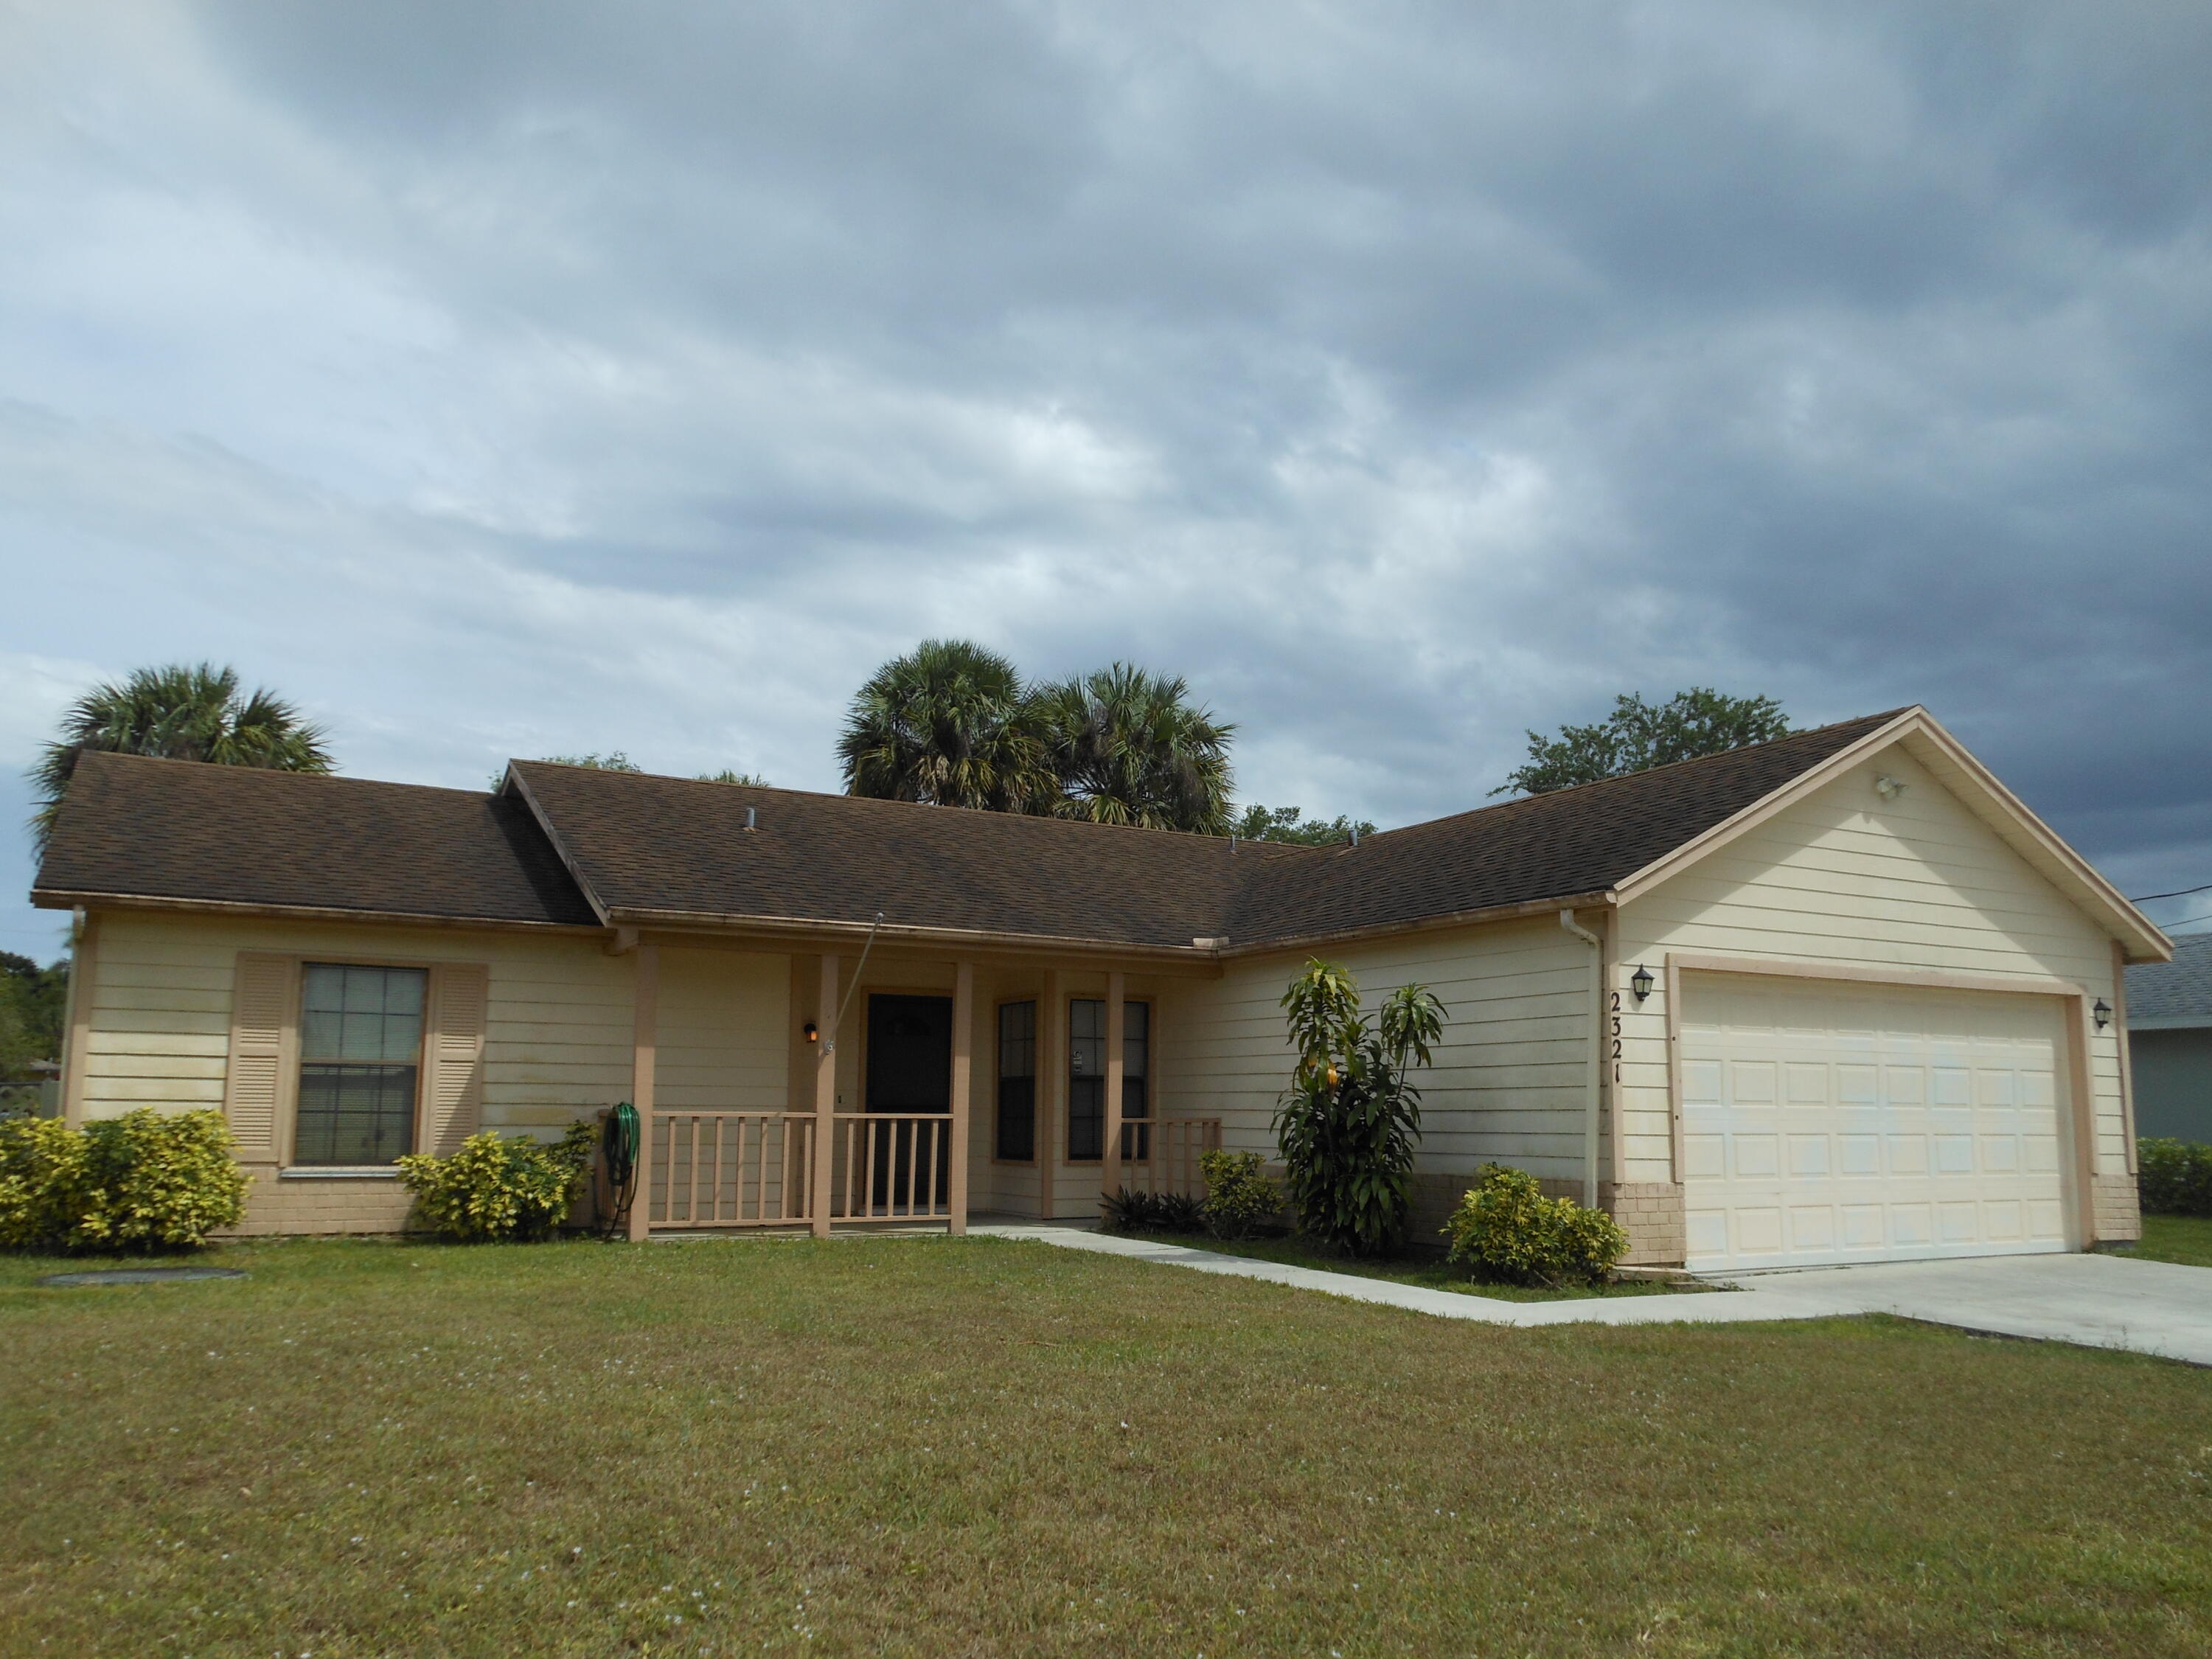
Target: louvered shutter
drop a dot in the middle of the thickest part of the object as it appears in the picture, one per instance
(453, 1048)
(255, 1086)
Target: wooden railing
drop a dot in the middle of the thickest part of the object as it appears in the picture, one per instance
(891, 1166)
(1160, 1155)
(731, 1169)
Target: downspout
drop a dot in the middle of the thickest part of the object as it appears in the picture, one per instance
(1596, 1054)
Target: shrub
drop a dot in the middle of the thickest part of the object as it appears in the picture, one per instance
(1125, 1212)
(494, 1188)
(1505, 1229)
(1178, 1212)
(1239, 1198)
(2174, 1176)
(145, 1181)
(1348, 1121)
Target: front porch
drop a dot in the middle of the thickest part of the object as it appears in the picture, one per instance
(914, 1093)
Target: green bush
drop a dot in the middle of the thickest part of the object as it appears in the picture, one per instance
(2174, 1176)
(495, 1189)
(1240, 1199)
(145, 1181)
(1127, 1212)
(1505, 1229)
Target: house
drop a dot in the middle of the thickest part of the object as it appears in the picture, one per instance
(1836, 998)
(2170, 1042)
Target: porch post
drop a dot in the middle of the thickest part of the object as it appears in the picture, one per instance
(1117, 1017)
(1052, 1093)
(825, 1093)
(644, 1026)
(964, 1047)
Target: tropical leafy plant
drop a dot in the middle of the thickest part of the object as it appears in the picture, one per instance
(180, 712)
(1349, 1121)
(1283, 824)
(497, 1188)
(1638, 735)
(950, 724)
(1505, 1229)
(1126, 746)
(727, 776)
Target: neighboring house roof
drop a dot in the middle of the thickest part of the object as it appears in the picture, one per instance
(2174, 994)
(136, 827)
(645, 850)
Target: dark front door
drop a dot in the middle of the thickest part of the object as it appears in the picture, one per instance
(909, 1071)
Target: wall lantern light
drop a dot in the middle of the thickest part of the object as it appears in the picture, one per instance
(2104, 1014)
(810, 1031)
(1888, 788)
(1640, 982)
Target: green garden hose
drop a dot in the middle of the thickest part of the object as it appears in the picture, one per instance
(618, 1153)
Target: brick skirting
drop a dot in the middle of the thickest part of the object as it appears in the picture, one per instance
(2117, 1209)
(308, 1205)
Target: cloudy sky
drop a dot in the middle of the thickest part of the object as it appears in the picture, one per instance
(513, 379)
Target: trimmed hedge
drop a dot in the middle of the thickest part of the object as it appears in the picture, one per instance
(1240, 1199)
(496, 1189)
(2174, 1176)
(146, 1181)
(1505, 1229)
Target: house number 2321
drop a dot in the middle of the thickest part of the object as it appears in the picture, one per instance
(1616, 1036)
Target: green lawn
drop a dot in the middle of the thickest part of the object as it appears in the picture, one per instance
(933, 1447)
(1430, 1271)
(2183, 1238)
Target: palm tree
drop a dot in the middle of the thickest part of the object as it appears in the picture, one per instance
(180, 713)
(1129, 748)
(949, 724)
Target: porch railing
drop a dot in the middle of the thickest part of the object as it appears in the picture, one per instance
(1160, 1155)
(891, 1166)
(731, 1169)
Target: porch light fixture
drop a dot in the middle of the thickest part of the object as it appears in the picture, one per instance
(1888, 788)
(1640, 982)
(2103, 1013)
(810, 1031)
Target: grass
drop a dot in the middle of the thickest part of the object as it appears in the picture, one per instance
(1429, 1271)
(936, 1446)
(2183, 1238)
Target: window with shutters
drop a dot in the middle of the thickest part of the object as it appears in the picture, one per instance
(361, 1063)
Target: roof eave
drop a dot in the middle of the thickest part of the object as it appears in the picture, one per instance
(805, 930)
(62, 898)
(1597, 898)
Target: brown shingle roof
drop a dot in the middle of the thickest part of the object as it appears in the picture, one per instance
(646, 847)
(141, 828)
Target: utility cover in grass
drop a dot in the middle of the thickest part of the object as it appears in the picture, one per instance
(141, 1275)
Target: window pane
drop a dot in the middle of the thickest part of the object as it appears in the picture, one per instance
(1136, 1037)
(1018, 1040)
(1086, 1038)
(354, 1114)
(365, 1014)
(1017, 1137)
(1086, 1118)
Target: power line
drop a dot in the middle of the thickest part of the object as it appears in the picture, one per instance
(2180, 892)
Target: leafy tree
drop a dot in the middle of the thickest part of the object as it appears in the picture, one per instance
(951, 724)
(1348, 1123)
(180, 712)
(613, 761)
(1126, 747)
(32, 1000)
(725, 775)
(1638, 735)
(1260, 823)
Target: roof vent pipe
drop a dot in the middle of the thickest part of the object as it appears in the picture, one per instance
(752, 818)
(1355, 834)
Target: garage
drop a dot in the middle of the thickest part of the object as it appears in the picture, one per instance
(1826, 1121)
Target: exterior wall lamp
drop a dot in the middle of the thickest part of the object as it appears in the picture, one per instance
(810, 1031)
(1640, 982)
(2103, 1014)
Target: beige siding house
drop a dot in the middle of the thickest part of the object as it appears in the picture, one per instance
(1837, 997)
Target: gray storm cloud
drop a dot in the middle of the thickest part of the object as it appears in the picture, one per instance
(509, 380)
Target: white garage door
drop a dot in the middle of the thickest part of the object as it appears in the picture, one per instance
(1823, 1123)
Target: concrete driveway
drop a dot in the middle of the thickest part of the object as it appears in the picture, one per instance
(2099, 1300)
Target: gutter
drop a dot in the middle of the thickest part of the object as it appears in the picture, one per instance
(62, 898)
(1596, 1054)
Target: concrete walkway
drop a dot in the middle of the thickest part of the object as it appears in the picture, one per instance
(2101, 1301)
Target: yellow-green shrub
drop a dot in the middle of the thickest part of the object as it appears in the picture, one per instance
(1239, 1198)
(1505, 1229)
(146, 1180)
(494, 1188)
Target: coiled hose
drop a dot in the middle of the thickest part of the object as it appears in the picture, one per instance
(618, 1150)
